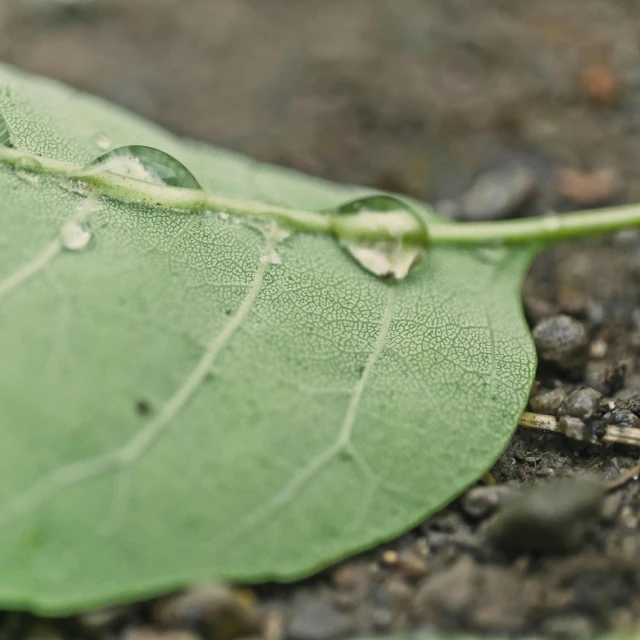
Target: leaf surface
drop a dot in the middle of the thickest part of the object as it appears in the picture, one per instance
(195, 396)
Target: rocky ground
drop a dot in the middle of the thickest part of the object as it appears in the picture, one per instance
(487, 109)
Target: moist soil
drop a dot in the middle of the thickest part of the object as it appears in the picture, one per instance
(487, 109)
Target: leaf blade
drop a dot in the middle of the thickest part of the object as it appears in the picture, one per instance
(349, 406)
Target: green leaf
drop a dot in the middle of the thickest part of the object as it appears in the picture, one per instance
(195, 396)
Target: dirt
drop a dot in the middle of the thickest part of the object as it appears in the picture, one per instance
(487, 109)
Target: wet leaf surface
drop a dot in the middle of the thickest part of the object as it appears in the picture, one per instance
(296, 409)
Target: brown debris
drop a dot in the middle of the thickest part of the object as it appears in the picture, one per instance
(589, 188)
(600, 84)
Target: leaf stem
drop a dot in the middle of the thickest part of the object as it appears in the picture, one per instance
(363, 225)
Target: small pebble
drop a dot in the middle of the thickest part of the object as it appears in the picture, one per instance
(313, 618)
(479, 502)
(547, 401)
(573, 428)
(628, 399)
(100, 619)
(551, 517)
(598, 349)
(411, 563)
(448, 593)
(568, 627)
(213, 607)
(625, 418)
(581, 403)
(353, 576)
(561, 340)
(399, 590)
(498, 193)
(150, 633)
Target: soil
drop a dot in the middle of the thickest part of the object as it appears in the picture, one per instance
(486, 108)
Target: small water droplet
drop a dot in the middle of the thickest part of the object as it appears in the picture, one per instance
(390, 259)
(74, 237)
(102, 141)
(28, 164)
(147, 164)
(223, 215)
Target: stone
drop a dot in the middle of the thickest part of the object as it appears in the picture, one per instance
(214, 609)
(479, 502)
(581, 403)
(551, 517)
(561, 340)
(314, 618)
(547, 401)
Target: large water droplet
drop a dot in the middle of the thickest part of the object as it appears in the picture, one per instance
(390, 259)
(147, 164)
(5, 134)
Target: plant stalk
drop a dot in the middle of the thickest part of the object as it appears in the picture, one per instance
(364, 225)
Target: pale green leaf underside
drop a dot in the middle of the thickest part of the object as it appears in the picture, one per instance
(299, 411)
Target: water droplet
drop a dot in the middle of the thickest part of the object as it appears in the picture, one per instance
(390, 259)
(223, 215)
(147, 164)
(28, 163)
(5, 134)
(73, 236)
(102, 141)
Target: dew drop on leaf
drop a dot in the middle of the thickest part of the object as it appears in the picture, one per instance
(102, 141)
(73, 236)
(389, 259)
(147, 164)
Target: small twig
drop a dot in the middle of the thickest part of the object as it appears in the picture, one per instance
(623, 478)
(613, 433)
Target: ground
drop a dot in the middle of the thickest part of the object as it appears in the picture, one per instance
(485, 108)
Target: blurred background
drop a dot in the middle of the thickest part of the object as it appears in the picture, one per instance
(489, 108)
